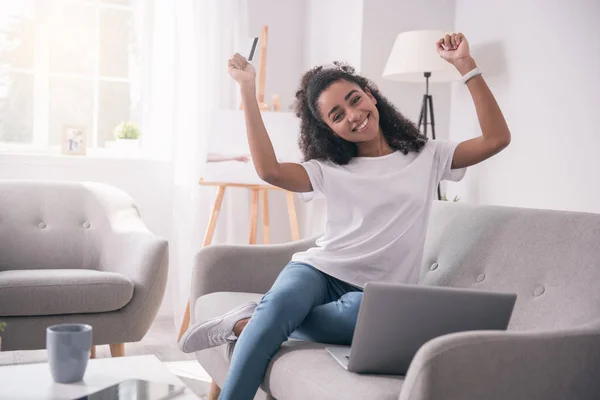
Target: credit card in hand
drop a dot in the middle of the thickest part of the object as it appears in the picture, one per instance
(253, 50)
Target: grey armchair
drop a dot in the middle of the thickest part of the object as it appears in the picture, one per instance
(551, 350)
(76, 252)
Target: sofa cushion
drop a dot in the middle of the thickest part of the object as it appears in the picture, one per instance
(62, 291)
(300, 370)
(550, 259)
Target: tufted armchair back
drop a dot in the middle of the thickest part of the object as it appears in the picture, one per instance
(58, 225)
(550, 259)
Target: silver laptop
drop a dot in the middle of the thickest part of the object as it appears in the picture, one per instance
(395, 320)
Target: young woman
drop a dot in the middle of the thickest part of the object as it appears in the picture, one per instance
(379, 175)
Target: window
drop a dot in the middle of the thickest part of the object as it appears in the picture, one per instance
(66, 63)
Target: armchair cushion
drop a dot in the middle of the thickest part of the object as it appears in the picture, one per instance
(38, 292)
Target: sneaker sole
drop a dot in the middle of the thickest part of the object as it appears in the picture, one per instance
(184, 345)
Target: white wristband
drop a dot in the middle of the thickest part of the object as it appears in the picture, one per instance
(472, 73)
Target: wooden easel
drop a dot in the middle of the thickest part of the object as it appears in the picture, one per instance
(257, 190)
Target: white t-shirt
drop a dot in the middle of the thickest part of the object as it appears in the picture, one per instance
(377, 213)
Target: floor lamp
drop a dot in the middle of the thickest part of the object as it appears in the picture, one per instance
(414, 58)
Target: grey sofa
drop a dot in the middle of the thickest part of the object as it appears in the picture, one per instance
(551, 350)
(76, 252)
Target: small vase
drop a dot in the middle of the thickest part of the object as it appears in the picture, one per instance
(128, 146)
(128, 143)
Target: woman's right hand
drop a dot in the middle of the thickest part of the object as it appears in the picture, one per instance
(241, 70)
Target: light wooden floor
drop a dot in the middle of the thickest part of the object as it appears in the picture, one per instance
(161, 340)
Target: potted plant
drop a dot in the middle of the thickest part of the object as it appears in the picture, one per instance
(2, 328)
(445, 198)
(127, 135)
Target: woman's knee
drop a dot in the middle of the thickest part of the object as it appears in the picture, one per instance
(351, 300)
(278, 306)
(298, 288)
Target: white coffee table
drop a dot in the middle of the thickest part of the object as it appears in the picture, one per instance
(33, 381)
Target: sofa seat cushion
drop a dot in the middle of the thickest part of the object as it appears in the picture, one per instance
(300, 370)
(62, 291)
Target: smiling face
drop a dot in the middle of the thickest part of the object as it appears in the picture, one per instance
(350, 112)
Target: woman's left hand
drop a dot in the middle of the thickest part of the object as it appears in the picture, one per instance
(453, 48)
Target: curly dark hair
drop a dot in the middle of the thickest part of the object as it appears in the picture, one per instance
(317, 139)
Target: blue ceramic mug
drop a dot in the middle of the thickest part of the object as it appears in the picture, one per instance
(68, 348)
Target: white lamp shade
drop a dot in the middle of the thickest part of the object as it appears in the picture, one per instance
(413, 54)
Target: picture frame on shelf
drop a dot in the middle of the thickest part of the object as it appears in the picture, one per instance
(74, 140)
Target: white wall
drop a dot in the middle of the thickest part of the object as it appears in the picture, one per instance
(285, 55)
(542, 65)
(383, 21)
(333, 32)
(303, 34)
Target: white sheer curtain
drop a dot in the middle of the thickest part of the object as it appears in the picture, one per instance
(186, 60)
(186, 81)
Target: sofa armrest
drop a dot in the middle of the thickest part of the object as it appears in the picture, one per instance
(143, 258)
(241, 268)
(506, 365)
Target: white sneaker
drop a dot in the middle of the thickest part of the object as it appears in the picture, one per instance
(215, 331)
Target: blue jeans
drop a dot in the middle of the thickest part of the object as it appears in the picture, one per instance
(304, 303)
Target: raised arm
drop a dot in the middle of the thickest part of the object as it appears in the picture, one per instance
(289, 176)
(216, 157)
(495, 133)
